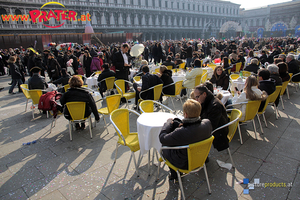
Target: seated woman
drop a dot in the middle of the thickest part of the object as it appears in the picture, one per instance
(250, 93)
(225, 64)
(220, 78)
(166, 77)
(174, 133)
(77, 93)
(283, 71)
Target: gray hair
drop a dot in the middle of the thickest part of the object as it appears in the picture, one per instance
(282, 56)
(273, 69)
(291, 56)
(254, 61)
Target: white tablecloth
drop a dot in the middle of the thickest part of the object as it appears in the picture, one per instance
(240, 84)
(91, 81)
(178, 77)
(149, 126)
(132, 72)
(210, 72)
(226, 95)
(97, 96)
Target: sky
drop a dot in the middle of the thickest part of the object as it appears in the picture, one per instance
(250, 4)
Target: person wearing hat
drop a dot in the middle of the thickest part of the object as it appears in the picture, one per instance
(37, 81)
(15, 74)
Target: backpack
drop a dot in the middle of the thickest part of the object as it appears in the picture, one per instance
(47, 100)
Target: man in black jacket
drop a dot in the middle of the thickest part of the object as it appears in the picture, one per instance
(293, 66)
(169, 62)
(189, 54)
(214, 110)
(192, 129)
(265, 84)
(37, 81)
(253, 67)
(106, 73)
(75, 61)
(148, 81)
(121, 60)
(54, 70)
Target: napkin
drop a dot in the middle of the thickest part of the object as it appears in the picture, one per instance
(224, 165)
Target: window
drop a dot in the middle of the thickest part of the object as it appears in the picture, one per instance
(202, 8)
(172, 6)
(177, 5)
(146, 2)
(216, 9)
(207, 8)
(159, 3)
(166, 4)
(198, 7)
(153, 3)
(194, 7)
(183, 6)
(189, 8)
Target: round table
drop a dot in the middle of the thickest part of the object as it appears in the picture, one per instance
(91, 81)
(240, 84)
(148, 127)
(178, 77)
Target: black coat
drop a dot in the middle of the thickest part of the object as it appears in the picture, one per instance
(277, 78)
(64, 80)
(105, 74)
(14, 71)
(31, 62)
(54, 69)
(87, 64)
(267, 85)
(118, 62)
(75, 63)
(214, 110)
(193, 130)
(37, 82)
(166, 63)
(148, 81)
(222, 80)
(166, 78)
(252, 68)
(79, 94)
(293, 67)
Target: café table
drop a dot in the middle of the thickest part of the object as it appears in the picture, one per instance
(178, 76)
(238, 83)
(226, 94)
(92, 81)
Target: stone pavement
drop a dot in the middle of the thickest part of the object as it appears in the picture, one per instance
(56, 168)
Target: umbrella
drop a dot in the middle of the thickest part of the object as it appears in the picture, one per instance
(137, 50)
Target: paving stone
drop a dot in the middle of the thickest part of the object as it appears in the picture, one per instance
(295, 191)
(288, 148)
(54, 195)
(17, 194)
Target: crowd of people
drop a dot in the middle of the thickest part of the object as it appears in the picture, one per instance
(271, 60)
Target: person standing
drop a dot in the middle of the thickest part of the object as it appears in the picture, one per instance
(87, 60)
(54, 69)
(189, 54)
(15, 74)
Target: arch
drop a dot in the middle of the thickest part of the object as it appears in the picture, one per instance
(18, 12)
(3, 12)
(230, 25)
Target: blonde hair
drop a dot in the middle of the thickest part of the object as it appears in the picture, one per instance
(192, 95)
(162, 68)
(75, 81)
(250, 81)
(144, 62)
(192, 108)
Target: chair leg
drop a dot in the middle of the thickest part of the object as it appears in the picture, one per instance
(287, 92)
(181, 101)
(126, 103)
(26, 105)
(240, 134)
(70, 130)
(261, 129)
(172, 102)
(149, 162)
(180, 184)
(105, 124)
(254, 128)
(47, 114)
(276, 109)
(157, 176)
(230, 157)
(265, 119)
(136, 168)
(281, 102)
(90, 127)
(117, 146)
(206, 176)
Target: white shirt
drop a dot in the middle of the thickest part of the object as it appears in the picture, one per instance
(125, 58)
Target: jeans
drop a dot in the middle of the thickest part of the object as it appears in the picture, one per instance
(14, 83)
(188, 62)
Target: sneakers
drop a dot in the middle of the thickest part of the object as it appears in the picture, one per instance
(11, 93)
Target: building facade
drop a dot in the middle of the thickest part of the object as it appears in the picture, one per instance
(156, 19)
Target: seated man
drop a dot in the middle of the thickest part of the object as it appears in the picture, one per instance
(192, 129)
(106, 73)
(293, 66)
(265, 84)
(253, 67)
(63, 80)
(274, 74)
(214, 110)
(37, 81)
(148, 81)
(169, 62)
(190, 76)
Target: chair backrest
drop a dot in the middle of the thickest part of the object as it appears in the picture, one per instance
(76, 110)
(246, 73)
(137, 78)
(238, 67)
(252, 109)
(204, 76)
(170, 67)
(296, 78)
(234, 76)
(284, 85)
(198, 79)
(79, 76)
(98, 72)
(113, 102)
(110, 82)
(156, 70)
(213, 66)
(157, 91)
(35, 95)
(198, 152)
(178, 87)
(147, 106)
(120, 85)
(234, 120)
(66, 87)
(182, 65)
(120, 120)
(25, 90)
(275, 94)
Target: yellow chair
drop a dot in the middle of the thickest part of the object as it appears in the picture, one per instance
(157, 70)
(157, 90)
(234, 76)
(66, 87)
(25, 90)
(80, 76)
(178, 88)
(120, 85)
(235, 115)
(96, 73)
(35, 97)
(77, 112)
(170, 67)
(273, 98)
(246, 73)
(182, 65)
(213, 66)
(284, 88)
(197, 154)
(136, 79)
(238, 67)
(112, 103)
(296, 80)
(147, 106)
(109, 83)
(120, 120)
(204, 76)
